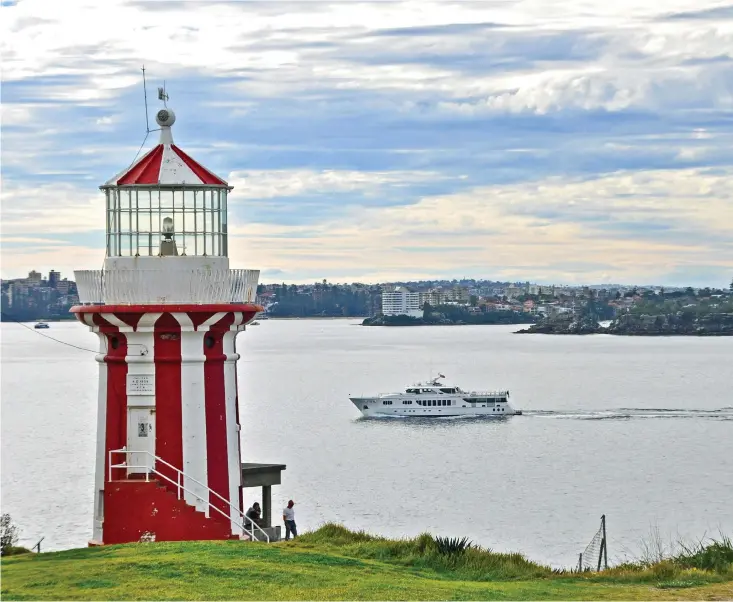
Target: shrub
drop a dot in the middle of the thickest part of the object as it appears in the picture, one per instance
(454, 546)
(717, 555)
(8, 535)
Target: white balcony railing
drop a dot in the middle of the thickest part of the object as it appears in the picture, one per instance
(164, 287)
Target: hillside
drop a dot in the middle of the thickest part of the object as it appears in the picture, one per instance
(333, 564)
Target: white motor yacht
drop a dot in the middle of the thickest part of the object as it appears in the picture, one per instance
(434, 398)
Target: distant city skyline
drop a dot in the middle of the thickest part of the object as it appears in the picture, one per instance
(563, 142)
(38, 274)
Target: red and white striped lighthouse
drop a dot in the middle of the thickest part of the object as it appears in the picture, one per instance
(167, 309)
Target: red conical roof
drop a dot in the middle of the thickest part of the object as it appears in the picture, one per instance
(166, 165)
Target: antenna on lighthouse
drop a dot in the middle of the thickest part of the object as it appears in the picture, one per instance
(145, 91)
(147, 120)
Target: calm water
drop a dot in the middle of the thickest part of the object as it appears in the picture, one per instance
(640, 429)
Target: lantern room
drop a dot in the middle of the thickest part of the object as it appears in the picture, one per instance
(166, 203)
(166, 233)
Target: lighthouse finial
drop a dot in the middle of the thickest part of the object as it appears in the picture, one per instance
(165, 118)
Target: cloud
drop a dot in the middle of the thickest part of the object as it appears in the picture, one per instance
(261, 184)
(50, 209)
(373, 139)
(623, 226)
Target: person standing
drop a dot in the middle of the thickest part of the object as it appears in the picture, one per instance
(289, 520)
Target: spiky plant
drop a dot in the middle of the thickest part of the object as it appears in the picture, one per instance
(452, 546)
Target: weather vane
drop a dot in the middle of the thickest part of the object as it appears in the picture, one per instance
(162, 95)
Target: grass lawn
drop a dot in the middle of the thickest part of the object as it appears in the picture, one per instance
(335, 564)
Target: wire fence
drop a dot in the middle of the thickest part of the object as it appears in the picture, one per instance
(595, 554)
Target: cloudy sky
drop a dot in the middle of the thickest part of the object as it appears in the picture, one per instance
(573, 141)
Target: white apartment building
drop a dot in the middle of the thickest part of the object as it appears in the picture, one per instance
(401, 302)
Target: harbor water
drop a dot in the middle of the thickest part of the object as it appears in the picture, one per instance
(639, 429)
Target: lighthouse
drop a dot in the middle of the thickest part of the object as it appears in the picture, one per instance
(167, 309)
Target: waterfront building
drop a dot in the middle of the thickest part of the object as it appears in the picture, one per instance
(401, 302)
(512, 292)
(167, 309)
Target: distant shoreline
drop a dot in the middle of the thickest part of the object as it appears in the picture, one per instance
(310, 318)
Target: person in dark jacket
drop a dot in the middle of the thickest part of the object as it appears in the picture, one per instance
(253, 515)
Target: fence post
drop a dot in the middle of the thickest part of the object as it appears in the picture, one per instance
(580, 562)
(605, 543)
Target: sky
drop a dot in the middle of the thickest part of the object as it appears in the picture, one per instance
(567, 142)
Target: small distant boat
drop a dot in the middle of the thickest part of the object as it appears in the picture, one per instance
(41, 325)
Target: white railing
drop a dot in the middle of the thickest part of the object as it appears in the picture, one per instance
(487, 393)
(180, 487)
(194, 286)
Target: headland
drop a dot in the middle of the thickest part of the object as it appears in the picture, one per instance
(333, 563)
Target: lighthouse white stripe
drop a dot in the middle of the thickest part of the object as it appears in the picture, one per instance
(207, 324)
(193, 412)
(99, 472)
(115, 321)
(230, 396)
(174, 171)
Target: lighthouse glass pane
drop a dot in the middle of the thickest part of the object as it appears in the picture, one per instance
(166, 199)
(155, 223)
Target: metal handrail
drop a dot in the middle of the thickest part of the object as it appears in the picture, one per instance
(179, 475)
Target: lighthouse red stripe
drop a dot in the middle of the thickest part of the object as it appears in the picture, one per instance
(169, 421)
(116, 423)
(145, 171)
(204, 174)
(217, 461)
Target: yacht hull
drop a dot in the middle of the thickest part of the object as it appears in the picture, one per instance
(374, 407)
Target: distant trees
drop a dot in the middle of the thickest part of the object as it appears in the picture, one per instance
(322, 299)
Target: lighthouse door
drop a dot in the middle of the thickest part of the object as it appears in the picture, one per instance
(141, 439)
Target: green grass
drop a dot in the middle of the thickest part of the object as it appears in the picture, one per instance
(333, 564)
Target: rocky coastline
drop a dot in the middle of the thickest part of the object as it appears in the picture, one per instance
(677, 324)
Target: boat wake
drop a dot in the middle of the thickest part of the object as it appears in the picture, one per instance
(725, 413)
